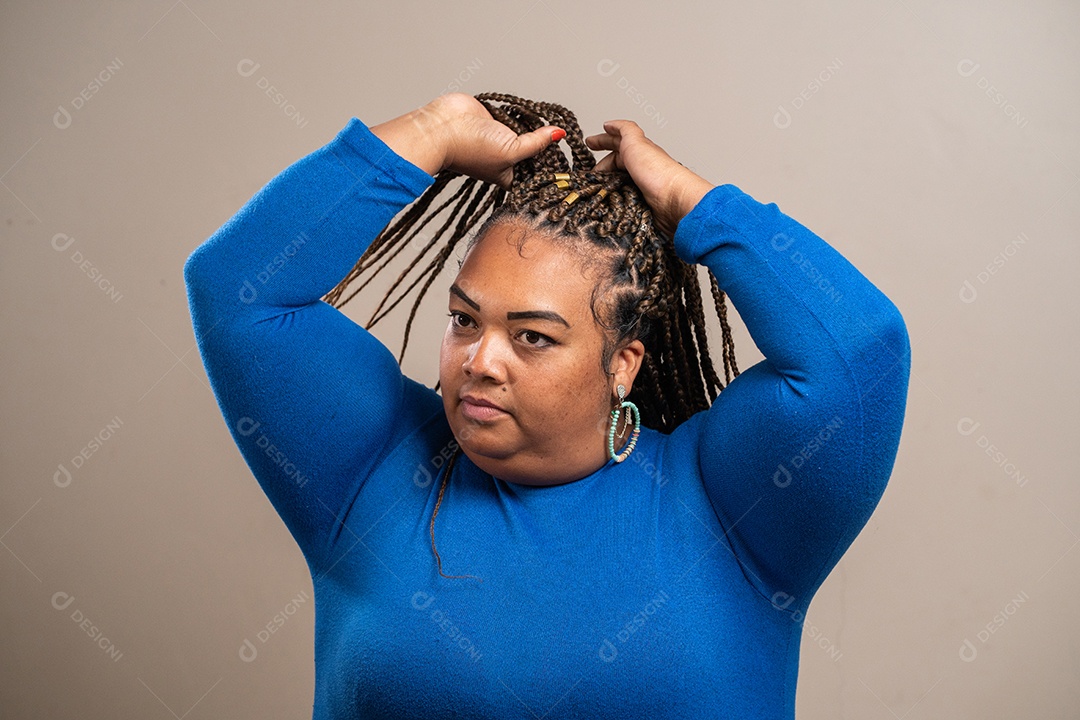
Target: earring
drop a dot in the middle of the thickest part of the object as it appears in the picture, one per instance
(630, 407)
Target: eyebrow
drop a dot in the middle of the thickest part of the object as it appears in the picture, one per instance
(519, 315)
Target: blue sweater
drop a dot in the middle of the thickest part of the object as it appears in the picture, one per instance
(671, 585)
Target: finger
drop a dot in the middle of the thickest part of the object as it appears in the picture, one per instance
(602, 142)
(608, 163)
(528, 144)
(621, 126)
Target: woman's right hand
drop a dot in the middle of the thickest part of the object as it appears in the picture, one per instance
(479, 146)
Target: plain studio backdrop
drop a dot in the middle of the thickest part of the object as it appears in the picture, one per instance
(145, 574)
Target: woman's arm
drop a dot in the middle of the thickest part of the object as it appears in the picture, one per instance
(796, 451)
(313, 401)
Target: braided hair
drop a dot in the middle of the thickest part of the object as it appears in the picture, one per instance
(646, 293)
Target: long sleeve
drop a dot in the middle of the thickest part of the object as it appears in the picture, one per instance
(312, 400)
(796, 451)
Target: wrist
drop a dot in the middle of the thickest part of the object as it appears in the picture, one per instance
(692, 189)
(418, 136)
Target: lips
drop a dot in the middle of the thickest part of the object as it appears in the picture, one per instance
(480, 409)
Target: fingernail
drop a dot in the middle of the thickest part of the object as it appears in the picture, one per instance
(558, 135)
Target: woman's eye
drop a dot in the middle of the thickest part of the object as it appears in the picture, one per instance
(459, 319)
(531, 337)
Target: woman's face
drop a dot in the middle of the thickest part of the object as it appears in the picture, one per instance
(521, 337)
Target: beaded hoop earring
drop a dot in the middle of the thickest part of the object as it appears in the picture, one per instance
(630, 407)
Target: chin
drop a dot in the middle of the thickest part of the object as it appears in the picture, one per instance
(483, 445)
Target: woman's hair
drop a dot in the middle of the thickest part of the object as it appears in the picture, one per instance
(646, 292)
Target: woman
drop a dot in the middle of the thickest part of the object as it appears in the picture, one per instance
(612, 570)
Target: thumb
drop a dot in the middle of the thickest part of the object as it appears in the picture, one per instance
(530, 143)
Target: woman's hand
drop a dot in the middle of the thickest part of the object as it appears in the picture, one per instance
(478, 145)
(670, 189)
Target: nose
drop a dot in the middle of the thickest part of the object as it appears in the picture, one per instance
(484, 359)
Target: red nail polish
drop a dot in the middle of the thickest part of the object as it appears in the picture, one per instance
(558, 135)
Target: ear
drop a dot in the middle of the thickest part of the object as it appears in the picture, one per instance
(625, 364)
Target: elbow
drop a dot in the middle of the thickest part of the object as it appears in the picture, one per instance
(895, 336)
(886, 346)
(193, 268)
(204, 291)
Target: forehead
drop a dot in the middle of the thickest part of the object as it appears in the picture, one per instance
(512, 268)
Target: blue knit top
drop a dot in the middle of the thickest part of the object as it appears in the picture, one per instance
(672, 585)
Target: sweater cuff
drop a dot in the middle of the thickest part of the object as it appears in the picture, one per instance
(367, 152)
(730, 210)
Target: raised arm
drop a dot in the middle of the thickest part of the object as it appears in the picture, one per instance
(312, 400)
(796, 451)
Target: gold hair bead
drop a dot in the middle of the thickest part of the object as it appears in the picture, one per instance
(561, 180)
(602, 193)
(571, 198)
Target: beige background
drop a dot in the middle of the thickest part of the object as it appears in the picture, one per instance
(926, 143)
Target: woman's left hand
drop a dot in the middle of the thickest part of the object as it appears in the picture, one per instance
(671, 189)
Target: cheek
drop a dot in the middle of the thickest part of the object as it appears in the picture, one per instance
(447, 357)
(576, 393)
